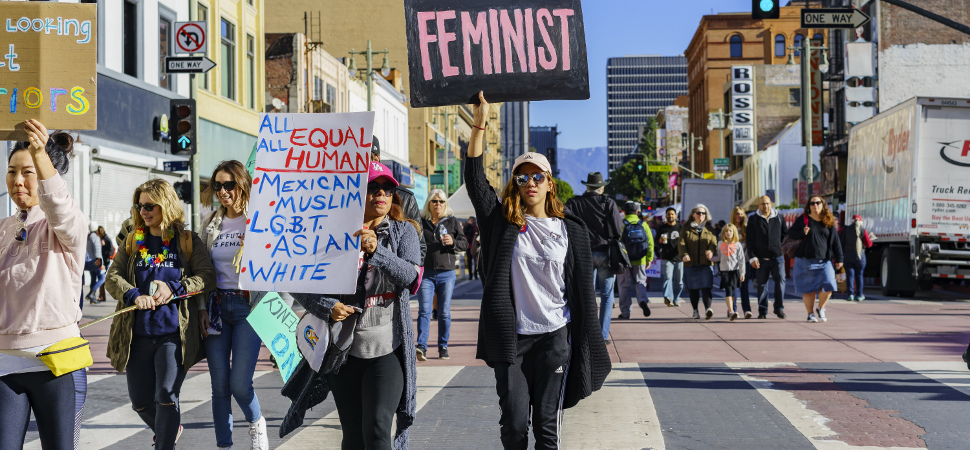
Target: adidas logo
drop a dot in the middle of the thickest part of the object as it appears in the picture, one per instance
(559, 370)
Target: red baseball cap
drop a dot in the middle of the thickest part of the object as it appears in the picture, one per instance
(378, 170)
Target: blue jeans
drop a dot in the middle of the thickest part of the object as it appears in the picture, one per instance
(775, 269)
(604, 287)
(672, 277)
(97, 277)
(853, 272)
(634, 283)
(745, 293)
(155, 375)
(232, 359)
(441, 282)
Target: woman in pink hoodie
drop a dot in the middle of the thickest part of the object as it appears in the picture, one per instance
(42, 250)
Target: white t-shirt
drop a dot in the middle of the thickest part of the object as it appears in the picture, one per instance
(538, 276)
(224, 250)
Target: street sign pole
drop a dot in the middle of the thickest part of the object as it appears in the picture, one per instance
(807, 109)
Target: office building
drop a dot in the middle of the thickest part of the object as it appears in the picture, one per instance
(515, 135)
(544, 140)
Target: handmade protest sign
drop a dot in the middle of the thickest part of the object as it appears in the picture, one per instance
(307, 202)
(48, 66)
(513, 50)
(275, 323)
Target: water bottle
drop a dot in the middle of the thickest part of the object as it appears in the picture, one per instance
(442, 231)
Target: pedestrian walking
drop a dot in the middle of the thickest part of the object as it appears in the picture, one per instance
(731, 262)
(766, 228)
(471, 255)
(445, 238)
(43, 247)
(638, 241)
(93, 264)
(107, 255)
(409, 206)
(671, 264)
(603, 220)
(159, 263)
(378, 377)
(696, 248)
(817, 258)
(740, 221)
(537, 327)
(855, 240)
(231, 344)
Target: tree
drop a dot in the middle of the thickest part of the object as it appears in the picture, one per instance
(630, 182)
(648, 147)
(563, 190)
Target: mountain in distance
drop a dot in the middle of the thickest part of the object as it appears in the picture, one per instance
(574, 165)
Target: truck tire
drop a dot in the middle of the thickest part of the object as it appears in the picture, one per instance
(884, 274)
(926, 285)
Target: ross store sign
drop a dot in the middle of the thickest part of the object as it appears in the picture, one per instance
(742, 105)
(818, 125)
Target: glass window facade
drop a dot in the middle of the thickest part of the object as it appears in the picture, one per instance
(228, 67)
(637, 88)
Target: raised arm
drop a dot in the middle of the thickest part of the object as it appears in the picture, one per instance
(479, 191)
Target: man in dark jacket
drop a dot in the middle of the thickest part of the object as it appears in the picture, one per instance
(598, 211)
(408, 204)
(671, 266)
(766, 229)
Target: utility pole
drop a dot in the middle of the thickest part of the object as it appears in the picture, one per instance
(194, 159)
(369, 55)
(447, 146)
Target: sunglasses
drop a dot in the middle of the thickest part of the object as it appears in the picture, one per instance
(146, 206)
(814, 203)
(523, 179)
(698, 213)
(437, 201)
(373, 187)
(22, 232)
(217, 186)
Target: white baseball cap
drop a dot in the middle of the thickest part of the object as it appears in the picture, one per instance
(533, 158)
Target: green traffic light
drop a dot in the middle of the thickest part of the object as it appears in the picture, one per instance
(767, 5)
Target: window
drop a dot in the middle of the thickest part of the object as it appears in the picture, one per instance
(736, 46)
(818, 39)
(317, 88)
(228, 49)
(164, 40)
(795, 97)
(130, 39)
(331, 95)
(780, 45)
(251, 69)
(204, 16)
(798, 44)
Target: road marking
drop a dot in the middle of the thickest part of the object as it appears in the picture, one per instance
(951, 373)
(623, 410)
(96, 378)
(325, 433)
(808, 422)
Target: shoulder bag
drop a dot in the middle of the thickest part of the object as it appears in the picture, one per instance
(619, 258)
(789, 246)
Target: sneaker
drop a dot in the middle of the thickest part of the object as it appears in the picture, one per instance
(623, 316)
(780, 314)
(668, 302)
(747, 314)
(709, 314)
(860, 298)
(811, 318)
(733, 316)
(851, 298)
(676, 304)
(645, 308)
(443, 353)
(257, 432)
(696, 315)
(421, 351)
(821, 314)
(762, 316)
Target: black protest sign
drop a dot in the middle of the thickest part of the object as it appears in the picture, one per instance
(513, 50)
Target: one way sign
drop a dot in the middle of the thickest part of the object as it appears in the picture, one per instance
(833, 18)
(188, 64)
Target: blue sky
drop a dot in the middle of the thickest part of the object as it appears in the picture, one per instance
(622, 28)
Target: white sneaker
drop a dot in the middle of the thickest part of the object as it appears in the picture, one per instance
(821, 314)
(812, 319)
(697, 315)
(257, 431)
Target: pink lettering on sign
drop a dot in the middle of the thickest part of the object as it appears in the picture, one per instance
(547, 57)
(563, 15)
(512, 36)
(496, 43)
(476, 34)
(530, 39)
(425, 38)
(443, 39)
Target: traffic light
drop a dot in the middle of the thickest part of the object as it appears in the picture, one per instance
(182, 125)
(184, 190)
(765, 9)
(638, 160)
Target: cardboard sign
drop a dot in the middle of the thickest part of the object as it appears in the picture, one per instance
(276, 324)
(513, 50)
(307, 202)
(654, 270)
(48, 66)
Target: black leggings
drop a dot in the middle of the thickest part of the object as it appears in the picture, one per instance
(57, 403)
(367, 392)
(695, 297)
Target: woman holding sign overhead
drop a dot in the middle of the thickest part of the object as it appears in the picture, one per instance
(232, 346)
(157, 269)
(378, 376)
(538, 328)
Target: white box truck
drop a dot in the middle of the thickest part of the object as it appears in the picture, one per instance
(717, 195)
(908, 176)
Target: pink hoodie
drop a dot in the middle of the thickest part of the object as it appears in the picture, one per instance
(40, 279)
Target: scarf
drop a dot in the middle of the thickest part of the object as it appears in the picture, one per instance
(858, 238)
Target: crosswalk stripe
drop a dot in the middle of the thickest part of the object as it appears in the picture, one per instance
(623, 409)
(325, 433)
(96, 378)
(951, 373)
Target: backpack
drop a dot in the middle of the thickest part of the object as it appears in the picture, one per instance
(635, 239)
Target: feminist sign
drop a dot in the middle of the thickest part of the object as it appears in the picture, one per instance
(513, 50)
(48, 66)
(307, 202)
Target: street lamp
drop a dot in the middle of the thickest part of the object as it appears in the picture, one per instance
(690, 146)
(717, 120)
(369, 54)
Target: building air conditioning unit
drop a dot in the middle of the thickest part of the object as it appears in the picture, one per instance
(319, 106)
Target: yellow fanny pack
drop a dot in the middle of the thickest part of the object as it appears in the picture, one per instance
(67, 355)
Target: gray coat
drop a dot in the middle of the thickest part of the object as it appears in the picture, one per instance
(307, 388)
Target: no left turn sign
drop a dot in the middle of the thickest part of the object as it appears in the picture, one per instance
(190, 37)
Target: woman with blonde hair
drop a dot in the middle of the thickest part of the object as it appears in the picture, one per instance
(538, 326)
(231, 344)
(818, 256)
(445, 239)
(697, 246)
(158, 267)
(731, 262)
(740, 221)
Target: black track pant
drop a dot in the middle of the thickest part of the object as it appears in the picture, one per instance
(695, 297)
(534, 383)
(56, 402)
(367, 392)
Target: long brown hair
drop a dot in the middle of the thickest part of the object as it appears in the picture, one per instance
(396, 213)
(828, 219)
(512, 202)
(240, 175)
(163, 196)
(742, 227)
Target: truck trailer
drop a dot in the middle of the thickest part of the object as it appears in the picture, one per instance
(908, 176)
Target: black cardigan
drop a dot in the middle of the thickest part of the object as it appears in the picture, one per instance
(821, 243)
(497, 337)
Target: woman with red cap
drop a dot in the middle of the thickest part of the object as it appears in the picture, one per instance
(855, 241)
